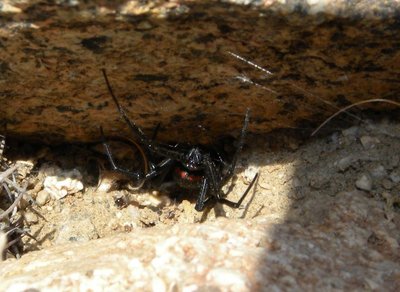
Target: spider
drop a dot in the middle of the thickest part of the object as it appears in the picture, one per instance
(194, 167)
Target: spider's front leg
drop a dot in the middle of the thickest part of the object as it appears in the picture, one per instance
(216, 184)
(242, 137)
(137, 176)
(202, 200)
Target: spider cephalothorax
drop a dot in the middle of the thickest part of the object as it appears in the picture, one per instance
(194, 167)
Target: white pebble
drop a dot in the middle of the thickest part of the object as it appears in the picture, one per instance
(250, 173)
(60, 183)
(31, 218)
(42, 198)
(364, 183)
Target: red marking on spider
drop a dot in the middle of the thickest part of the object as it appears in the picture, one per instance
(185, 175)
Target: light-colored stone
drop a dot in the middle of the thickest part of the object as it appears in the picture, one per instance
(239, 255)
(364, 182)
(30, 218)
(369, 142)
(60, 183)
(42, 197)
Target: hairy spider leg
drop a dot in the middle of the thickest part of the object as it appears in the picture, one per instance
(137, 131)
(238, 203)
(214, 183)
(239, 148)
(146, 142)
(202, 200)
(134, 175)
(151, 170)
(151, 147)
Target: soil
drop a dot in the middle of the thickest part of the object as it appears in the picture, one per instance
(294, 175)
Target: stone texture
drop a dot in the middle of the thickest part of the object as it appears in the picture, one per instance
(352, 247)
(169, 62)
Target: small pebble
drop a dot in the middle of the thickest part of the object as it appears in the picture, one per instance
(31, 218)
(364, 183)
(250, 173)
(345, 163)
(387, 184)
(378, 172)
(395, 177)
(60, 183)
(368, 142)
(144, 25)
(351, 132)
(42, 198)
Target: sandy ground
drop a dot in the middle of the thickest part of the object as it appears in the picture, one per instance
(296, 178)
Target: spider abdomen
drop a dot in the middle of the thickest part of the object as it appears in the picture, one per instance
(186, 179)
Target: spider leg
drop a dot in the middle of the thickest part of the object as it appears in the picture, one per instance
(202, 200)
(135, 175)
(143, 139)
(210, 181)
(232, 166)
(135, 129)
(155, 131)
(216, 184)
(212, 175)
(160, 169)
(237, 204)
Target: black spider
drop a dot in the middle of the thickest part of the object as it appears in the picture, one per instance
(194, 167)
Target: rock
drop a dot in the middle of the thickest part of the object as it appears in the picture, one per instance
(345, 163)
(395, 176)
(369, 142)
(59, 183)
(226, 255)
(31, 218)
(378, 172)
(387, 184)
(250, 172)
(42, 198)
(170, 62)
(351, 132)
(364, 183)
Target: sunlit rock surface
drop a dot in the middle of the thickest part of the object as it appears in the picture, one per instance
(170, 62)
(353, 246)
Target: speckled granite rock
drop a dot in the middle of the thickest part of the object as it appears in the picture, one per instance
(353, 247)
(168, 62)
